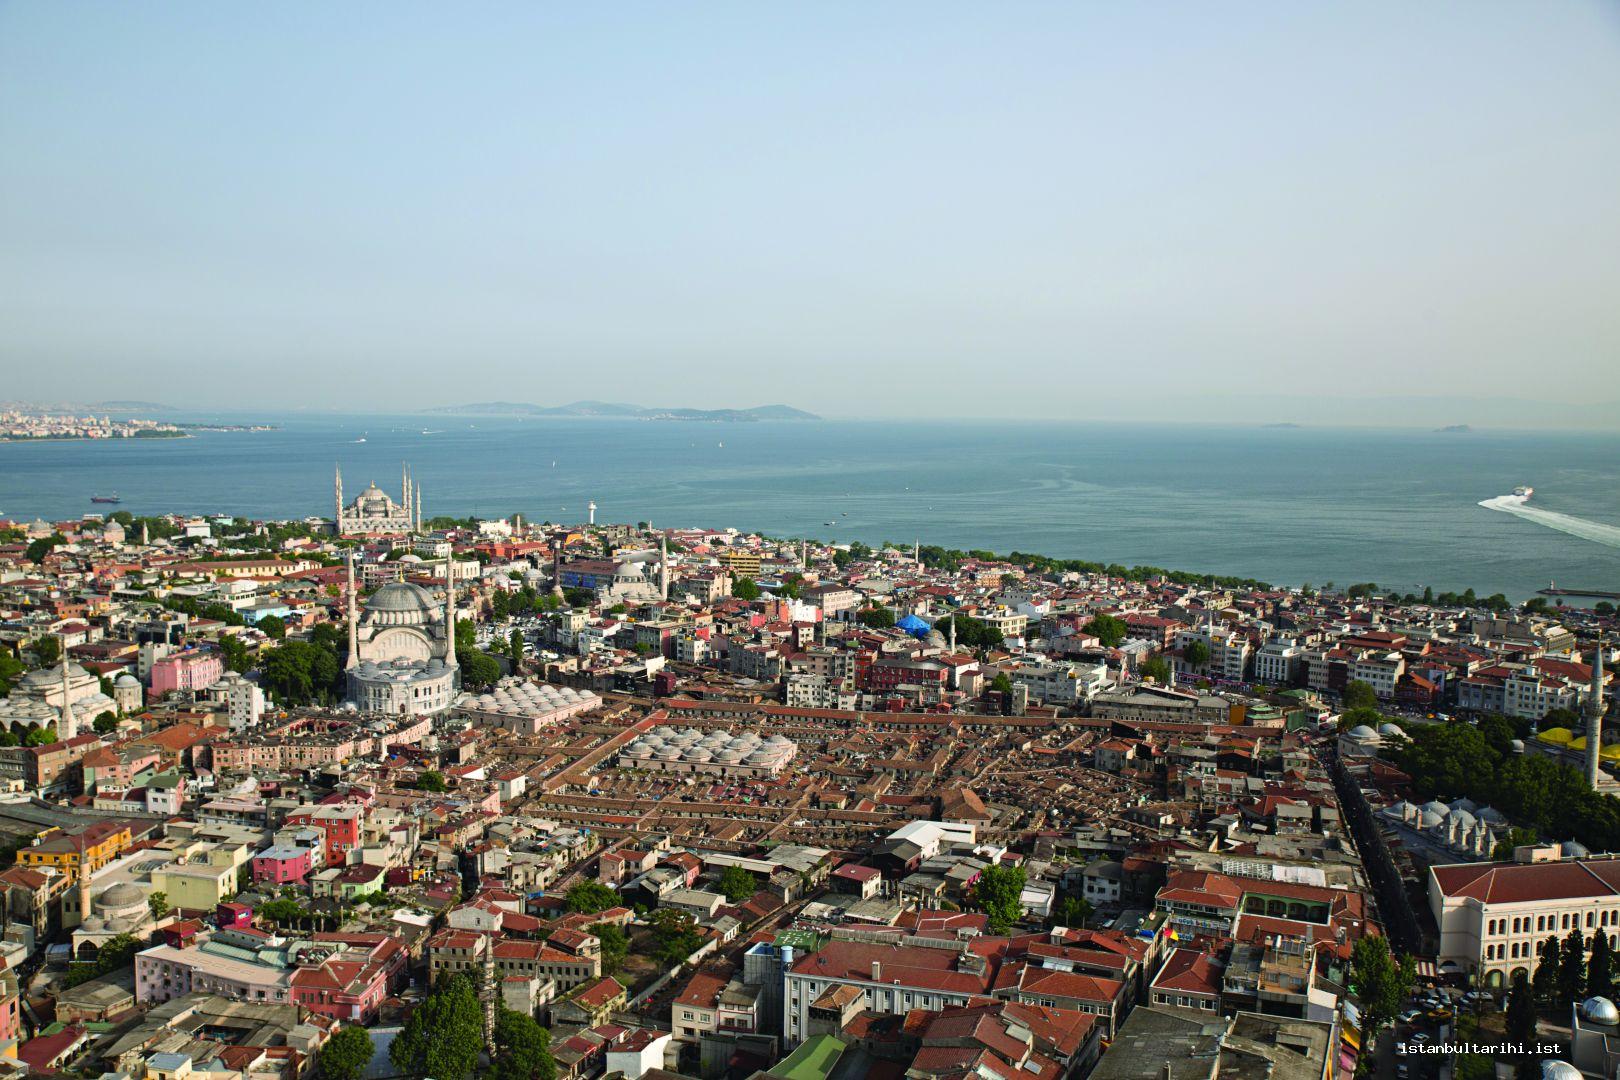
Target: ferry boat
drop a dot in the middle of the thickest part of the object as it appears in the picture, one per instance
(106, 498)
(1524, 492)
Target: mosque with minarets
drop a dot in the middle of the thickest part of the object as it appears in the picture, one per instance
(402, 650)
(374, 512)
(65, 698)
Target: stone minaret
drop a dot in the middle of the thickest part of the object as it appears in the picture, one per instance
(557, 570)
(353, 617)
(953, 633)
(804, 555)
(450, 605)
(405, 491)
(337, 477)
(65, 726)
(416, 505)
(84, 887)
(663, 567)
(1594, 716)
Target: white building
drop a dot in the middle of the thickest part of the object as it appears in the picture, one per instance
(1278, 662)
(244, 700)
(1061, 684)
(1492, 916)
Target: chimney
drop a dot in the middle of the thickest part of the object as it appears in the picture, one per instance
(877, 971)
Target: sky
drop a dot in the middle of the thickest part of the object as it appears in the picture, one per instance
(1286, 211)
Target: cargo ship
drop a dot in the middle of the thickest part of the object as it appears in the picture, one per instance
(106, 498)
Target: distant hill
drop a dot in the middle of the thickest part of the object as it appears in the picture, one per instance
(131, 406)
(636, 412)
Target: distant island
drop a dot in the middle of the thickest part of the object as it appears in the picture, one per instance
(1454, 429)
(615, 410)
(1281, 424)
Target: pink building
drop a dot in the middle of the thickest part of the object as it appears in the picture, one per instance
(194, 669)
(281, 864)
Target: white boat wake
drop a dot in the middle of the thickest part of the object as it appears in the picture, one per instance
(1595, 531)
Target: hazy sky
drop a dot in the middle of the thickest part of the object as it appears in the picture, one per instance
(1085, 210)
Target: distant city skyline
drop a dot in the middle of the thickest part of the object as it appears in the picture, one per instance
(1317, 214)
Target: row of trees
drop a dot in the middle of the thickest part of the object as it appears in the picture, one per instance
(1477, 761)
(1566, 971)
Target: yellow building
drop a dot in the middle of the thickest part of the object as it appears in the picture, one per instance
(198, 886)
(97, 844)
(741, 563)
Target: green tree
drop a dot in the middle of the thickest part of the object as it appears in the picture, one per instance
(158, 903)
(12, 669)
(273, 626)
(522, 1048)
(431, 780)
(346, 1054)
(1544, 983)
(1196, 654)
(1156, 668)
(745, 588)
(282, 911)
(516, 644)
(970, 632)
(615, 945)
(38, 549)
(47, 650)
(1571, 967)
(590, 897)
(1604, 608)
(1381, 982)
(1513, 838)
(116, 953)
(738, 884)
(1359, 695)
(1600, 968)
(1521, 1011)
(1002, 683)
(1108, 629)
(878, 618)
(479, 670)
(675, 935)
(1072, 911)
(300, 673)
(39, 736)
(106, 723)
(998, 893)
(234, 651)
(444, 1035)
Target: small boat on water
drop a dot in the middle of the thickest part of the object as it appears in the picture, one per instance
(113, 498)
(361, 439)
(1524, 492)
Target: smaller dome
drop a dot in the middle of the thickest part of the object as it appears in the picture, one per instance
(126, 680)
(1389, 729)
(125, 895)
(1553, 1069)
(1574, 849)
(1362, 731)
(1429, 819)
(1600, 1010)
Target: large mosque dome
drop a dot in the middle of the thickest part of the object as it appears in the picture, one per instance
(401, 604)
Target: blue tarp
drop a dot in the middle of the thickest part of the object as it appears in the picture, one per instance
(913, 626)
